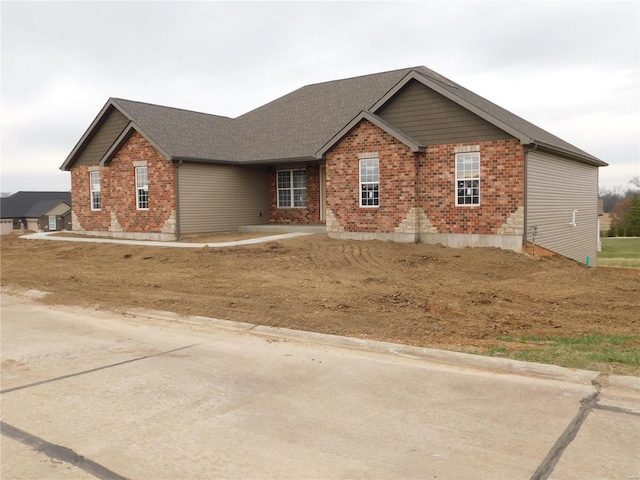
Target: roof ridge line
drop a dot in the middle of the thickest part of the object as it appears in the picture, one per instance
(115, 100)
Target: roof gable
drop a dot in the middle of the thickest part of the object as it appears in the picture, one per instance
(379, 122)
(32, 204)
(526, 132)
(432, 118)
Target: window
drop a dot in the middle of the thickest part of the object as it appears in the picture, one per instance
(52, 222)
(142, 188)
(369, 182)
(94, 180)
(292, 188)
(468, 178)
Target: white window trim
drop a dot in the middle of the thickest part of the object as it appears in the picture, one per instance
(93, 190)
(361, 183)
(144, 188)
(55, 222)
(456, 179)
(291, 188)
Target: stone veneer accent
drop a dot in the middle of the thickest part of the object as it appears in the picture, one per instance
(75, 222)
(416, 221)
(333, 226)
(119, 216)
(115, 226)
(514, 224)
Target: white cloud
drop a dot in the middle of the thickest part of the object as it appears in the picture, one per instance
(61, 61)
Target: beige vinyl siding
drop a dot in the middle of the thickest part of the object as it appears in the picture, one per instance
(555, 188)
(104, 137)
(219, 198)
(433, 119)
(60, 209)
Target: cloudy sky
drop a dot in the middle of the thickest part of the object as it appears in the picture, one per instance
(569, 67)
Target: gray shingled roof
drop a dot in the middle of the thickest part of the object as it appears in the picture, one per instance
(299, 124)
(183, 134)
(31, 204)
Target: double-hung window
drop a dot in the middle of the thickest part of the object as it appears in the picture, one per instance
(468, 178)
(53, 224)
(142, 188)
(292, 188)
(94, 181)
(369, 182)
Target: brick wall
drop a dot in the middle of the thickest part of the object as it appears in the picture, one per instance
(501, 187)
(83, 217)
(118, 192)
(297, 216)
(412, 183)
(397, 181)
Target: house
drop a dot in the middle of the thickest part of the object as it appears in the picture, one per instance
(37, 211)
(406, 155)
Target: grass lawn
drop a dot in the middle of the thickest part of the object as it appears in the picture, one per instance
(620, 252)
(619, 354)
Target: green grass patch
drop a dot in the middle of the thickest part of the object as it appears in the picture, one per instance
(615, 354)
(620, 252)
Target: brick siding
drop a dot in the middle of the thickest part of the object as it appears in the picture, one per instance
(118, 192)
(501, 187)
(309, 215)
(397, 180)
(424, 180)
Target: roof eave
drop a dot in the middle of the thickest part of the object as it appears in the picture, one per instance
(276, 161)
(588, 159)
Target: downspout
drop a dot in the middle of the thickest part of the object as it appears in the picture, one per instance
(177, 189)
(527, 151)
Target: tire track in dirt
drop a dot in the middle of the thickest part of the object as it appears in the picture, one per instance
(359, 255)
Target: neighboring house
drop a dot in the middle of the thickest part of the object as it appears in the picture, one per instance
(37, 211)
(405, 155)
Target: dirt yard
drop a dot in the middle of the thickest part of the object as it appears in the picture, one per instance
(458, 299)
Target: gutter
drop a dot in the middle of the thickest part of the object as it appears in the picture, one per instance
(177, 183)
(527, 150)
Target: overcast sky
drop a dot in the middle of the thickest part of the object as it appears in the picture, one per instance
(571, 68)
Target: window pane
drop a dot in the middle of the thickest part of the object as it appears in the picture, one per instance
(284, 179)
(141, 177)
(369, 182)
(468, 178)
(299, 179)
(284, 198)
(300, 197)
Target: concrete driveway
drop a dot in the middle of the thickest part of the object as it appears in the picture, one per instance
(95, 394)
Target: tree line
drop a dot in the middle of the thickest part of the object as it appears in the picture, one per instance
(623, 205)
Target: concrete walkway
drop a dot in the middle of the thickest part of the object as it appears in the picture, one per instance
(149, 395)
(249, 241)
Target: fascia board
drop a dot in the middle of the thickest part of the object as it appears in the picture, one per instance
(413, 75)
(121, 140)
(570, 155)
(378, 122)
(87, 134)
(276, 161)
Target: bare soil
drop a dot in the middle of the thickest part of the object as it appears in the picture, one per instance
(457, 299)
